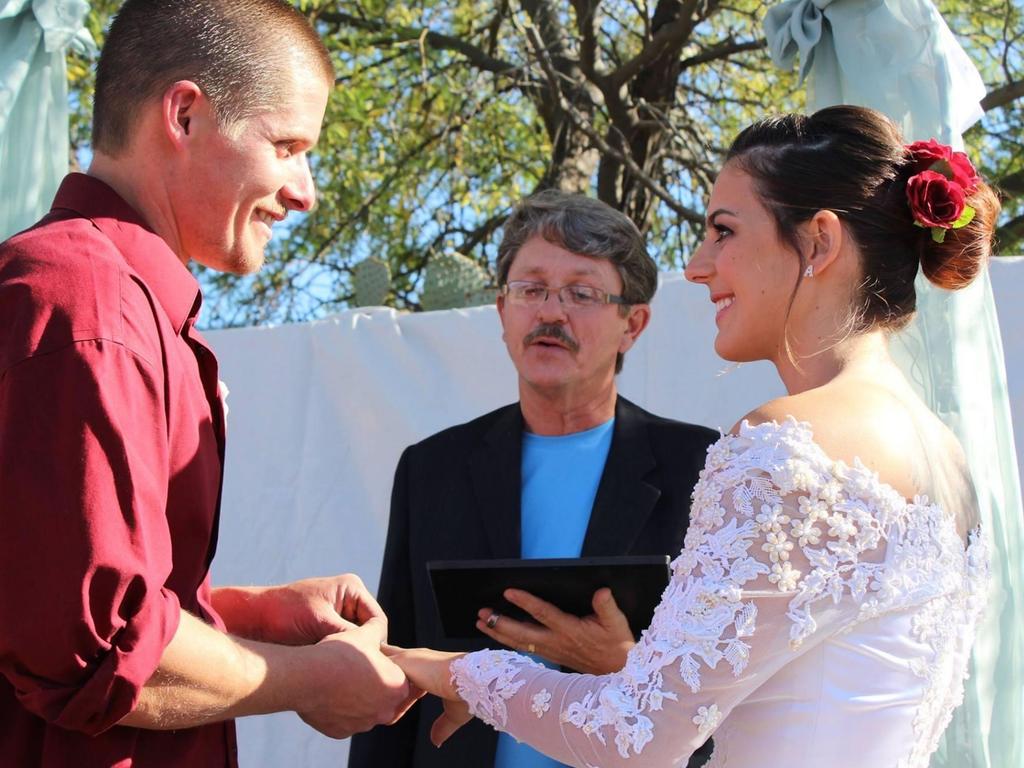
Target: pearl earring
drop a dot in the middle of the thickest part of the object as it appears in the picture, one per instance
(809, 272)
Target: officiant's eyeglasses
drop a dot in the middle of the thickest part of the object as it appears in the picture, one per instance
(529, 294)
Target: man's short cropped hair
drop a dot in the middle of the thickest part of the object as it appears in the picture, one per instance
(234, 50)
(584, 226)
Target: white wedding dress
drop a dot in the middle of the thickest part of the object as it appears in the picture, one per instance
(814, 618)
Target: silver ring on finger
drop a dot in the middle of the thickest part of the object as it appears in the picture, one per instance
(492, 620)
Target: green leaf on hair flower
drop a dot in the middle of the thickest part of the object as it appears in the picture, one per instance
(965, 218)
(938, 234)
(943, 167)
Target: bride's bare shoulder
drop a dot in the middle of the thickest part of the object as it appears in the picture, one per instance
(806, 407)
(896, 437)
(849, 423)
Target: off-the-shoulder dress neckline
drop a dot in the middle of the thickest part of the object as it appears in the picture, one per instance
(843, 470)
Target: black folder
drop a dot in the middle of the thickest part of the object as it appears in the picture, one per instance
(463, 587)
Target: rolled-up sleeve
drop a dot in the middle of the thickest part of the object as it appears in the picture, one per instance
(85, 550)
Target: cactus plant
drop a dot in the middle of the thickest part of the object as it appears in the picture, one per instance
(482, 297)
(450, 280)
(371, 281)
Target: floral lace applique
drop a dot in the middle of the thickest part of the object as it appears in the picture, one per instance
(941, 624)
(707, 719)
(612, 706)
(485, 681)
(540, 703)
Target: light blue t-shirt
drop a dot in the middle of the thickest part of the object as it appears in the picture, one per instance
(560, 476)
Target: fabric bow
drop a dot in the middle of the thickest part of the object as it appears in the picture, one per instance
(62, 22)
(795, 26)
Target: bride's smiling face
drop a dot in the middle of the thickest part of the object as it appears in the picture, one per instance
(750, 273)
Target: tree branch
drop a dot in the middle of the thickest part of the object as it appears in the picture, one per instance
(544, 18)
(671, 35)
(1002, 96)
(588, 130)
(586, 19)
(371, 197)
(494, 27)
(384, 61)
(1010, 235)
(1012, 185)
(481, 233)
(435, 40)
(723, 51)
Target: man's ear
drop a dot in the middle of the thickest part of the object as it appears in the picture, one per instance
(637, 319)
(825, 235)
(182, 101)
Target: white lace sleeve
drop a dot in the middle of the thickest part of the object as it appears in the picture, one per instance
(779, 555)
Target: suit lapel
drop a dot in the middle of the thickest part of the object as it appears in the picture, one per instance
(496, 473)
(624, 499)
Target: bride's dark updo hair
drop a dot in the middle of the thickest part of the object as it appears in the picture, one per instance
(852, 161)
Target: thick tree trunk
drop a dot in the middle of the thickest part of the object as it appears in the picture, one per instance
(573, 159)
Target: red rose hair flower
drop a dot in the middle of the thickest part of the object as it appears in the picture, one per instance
(937, 192)
(927, 152)
(935, 200)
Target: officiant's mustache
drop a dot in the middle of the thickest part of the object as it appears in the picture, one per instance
(554, 332)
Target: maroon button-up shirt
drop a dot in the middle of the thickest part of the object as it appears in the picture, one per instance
(111, 457)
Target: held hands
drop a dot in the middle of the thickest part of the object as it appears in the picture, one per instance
(346, 685)
(334, 675)
(430, 671)
(357, 686)
(595, 644)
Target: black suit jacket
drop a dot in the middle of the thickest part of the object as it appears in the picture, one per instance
(456, 496)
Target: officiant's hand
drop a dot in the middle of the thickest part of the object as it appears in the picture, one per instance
(300, 613)
(596, 644)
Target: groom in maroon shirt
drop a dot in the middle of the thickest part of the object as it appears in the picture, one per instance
(114, 648)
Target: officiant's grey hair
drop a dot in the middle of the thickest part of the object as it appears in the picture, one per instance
(584, 226)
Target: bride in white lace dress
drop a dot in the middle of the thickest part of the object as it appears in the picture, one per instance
(823, 608)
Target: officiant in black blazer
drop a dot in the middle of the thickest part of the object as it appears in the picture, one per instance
(572, 469)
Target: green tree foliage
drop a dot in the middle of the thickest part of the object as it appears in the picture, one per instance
(992, 31)
(446, 112)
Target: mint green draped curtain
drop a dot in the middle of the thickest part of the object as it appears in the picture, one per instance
(34, 35)
(899, 57)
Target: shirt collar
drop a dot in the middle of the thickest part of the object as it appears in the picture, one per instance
(143, 250)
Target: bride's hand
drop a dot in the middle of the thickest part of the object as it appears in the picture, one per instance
(429, 670)
(455, 715)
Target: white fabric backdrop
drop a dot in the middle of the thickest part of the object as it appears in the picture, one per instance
(1008, 289)
(320, 412)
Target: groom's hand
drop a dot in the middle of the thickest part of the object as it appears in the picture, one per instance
(306, 611)
(300, 613)
(596, 644)
(345, 685)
